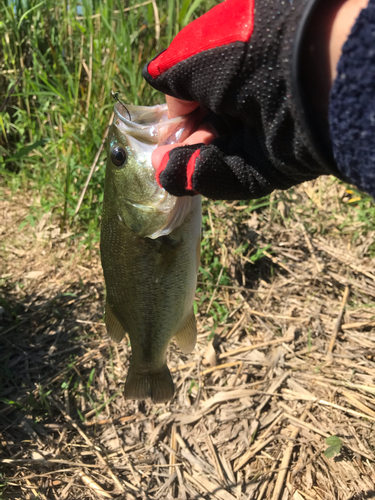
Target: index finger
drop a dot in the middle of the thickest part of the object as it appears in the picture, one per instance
(179, 107)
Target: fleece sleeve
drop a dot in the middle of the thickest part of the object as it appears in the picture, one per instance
(352, 104)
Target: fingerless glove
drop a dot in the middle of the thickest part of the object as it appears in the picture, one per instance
(242, 60)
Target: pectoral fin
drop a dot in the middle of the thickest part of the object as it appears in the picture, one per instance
(198, 253)
(114, 327)
(186, 337)
(160, 268)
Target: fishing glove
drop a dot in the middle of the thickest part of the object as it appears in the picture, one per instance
(243, 60)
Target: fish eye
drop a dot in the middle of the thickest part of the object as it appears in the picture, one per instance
(118, 156)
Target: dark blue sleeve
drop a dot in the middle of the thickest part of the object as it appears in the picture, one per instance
(352, 104)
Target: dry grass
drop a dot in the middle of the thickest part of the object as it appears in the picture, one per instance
(293, 364)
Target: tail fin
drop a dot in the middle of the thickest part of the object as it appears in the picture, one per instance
(155, 385)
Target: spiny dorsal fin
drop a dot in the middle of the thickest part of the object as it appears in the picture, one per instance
(186, 337)
(114, 328)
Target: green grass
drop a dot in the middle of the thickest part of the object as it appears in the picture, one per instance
(57, 69)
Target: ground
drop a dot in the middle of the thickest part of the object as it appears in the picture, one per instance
(289, 364)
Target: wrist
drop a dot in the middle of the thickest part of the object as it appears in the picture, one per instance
(326, 34)
(342, 24)
(322, 31)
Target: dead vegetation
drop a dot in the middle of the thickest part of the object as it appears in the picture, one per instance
(292, 364)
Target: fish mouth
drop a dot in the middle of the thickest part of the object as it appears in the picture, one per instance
(144, 129)
(148, 124)
(141, 117)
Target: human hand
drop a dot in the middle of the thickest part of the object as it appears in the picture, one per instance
(237, 63)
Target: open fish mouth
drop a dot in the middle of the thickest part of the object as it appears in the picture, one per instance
(145, 128)
(150, 125)
(141, 117)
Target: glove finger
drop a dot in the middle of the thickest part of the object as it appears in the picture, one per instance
(225, 177)
(204, 134)
(172, 173)
(207, 170)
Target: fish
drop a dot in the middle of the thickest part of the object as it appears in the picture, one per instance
(150, 250)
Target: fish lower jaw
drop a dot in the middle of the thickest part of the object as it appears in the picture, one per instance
(140, 206)
(158, 202)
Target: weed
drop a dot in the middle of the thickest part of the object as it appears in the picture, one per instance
(98, 409)
(309, 342)
(43, 395)
(334, 446)
(193, 384)
(259, 253)
(90, 379)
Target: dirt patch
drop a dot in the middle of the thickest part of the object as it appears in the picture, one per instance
(292, 364)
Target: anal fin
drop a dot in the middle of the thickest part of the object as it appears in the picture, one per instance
(114, 327)
(186, 337)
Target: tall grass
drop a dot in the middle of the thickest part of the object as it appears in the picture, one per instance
(59, 60)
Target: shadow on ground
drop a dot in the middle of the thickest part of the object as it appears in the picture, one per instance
(363, 496)
(41, 338)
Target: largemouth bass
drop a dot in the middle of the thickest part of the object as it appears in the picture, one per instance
(150, 249)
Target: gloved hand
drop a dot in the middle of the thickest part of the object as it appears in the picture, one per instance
(243, 60)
